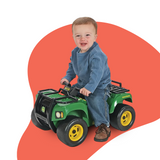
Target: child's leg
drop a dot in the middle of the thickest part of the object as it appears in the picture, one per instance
(98, 107)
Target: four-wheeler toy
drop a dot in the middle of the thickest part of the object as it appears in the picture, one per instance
(66, 113)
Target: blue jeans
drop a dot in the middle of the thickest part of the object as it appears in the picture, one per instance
(98, 106)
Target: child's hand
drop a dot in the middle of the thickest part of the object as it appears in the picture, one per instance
(64, 80)
(85, 92)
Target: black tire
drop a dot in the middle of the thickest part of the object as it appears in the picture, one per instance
(123, 117)
(72, 131)
(39, 123)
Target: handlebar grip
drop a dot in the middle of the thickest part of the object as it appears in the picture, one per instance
(65, 83)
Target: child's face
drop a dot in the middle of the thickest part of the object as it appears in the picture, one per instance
(84, 36)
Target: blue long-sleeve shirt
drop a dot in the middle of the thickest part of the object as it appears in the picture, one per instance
(91, 68)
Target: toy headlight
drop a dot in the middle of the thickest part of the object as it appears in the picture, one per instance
(59, 114)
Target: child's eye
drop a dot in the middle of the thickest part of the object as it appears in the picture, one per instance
(77, 36)
(87, 35)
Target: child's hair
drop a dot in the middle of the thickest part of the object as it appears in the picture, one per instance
(85, 20)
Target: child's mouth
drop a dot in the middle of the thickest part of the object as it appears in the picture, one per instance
(83, 44)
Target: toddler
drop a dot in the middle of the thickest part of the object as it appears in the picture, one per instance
(89, 63)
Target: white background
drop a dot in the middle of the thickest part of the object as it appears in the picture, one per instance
(24, 23)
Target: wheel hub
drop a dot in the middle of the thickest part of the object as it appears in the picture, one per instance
(75, 132)
(126, 118)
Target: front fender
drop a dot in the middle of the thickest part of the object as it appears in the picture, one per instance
(77, 109)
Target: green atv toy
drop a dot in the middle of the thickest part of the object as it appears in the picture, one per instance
(66, 113)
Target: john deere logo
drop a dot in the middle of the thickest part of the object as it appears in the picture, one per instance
(43, 109)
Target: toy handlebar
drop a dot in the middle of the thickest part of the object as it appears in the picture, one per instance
(73, 91)
(65, 83)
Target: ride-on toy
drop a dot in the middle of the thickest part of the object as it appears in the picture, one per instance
(66, 113)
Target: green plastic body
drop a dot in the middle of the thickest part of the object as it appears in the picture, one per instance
(79, 108)
(115, 99)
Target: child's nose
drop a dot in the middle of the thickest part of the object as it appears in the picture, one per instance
(83, 38)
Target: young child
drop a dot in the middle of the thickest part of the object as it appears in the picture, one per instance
(89, 63)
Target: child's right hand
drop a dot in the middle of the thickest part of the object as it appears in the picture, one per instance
(64, 80)
(84, 91)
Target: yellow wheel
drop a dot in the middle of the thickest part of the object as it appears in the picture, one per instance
(76, 132)
(72, 131)
(126, 118)
(123, 117)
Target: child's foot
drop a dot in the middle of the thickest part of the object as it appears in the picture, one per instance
(102, 134)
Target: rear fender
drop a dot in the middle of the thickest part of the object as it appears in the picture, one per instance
(118, 98)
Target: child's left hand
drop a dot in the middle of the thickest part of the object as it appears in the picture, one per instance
(85, 92)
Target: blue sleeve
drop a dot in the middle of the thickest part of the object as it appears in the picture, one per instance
(70, 75)
(96, 74)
